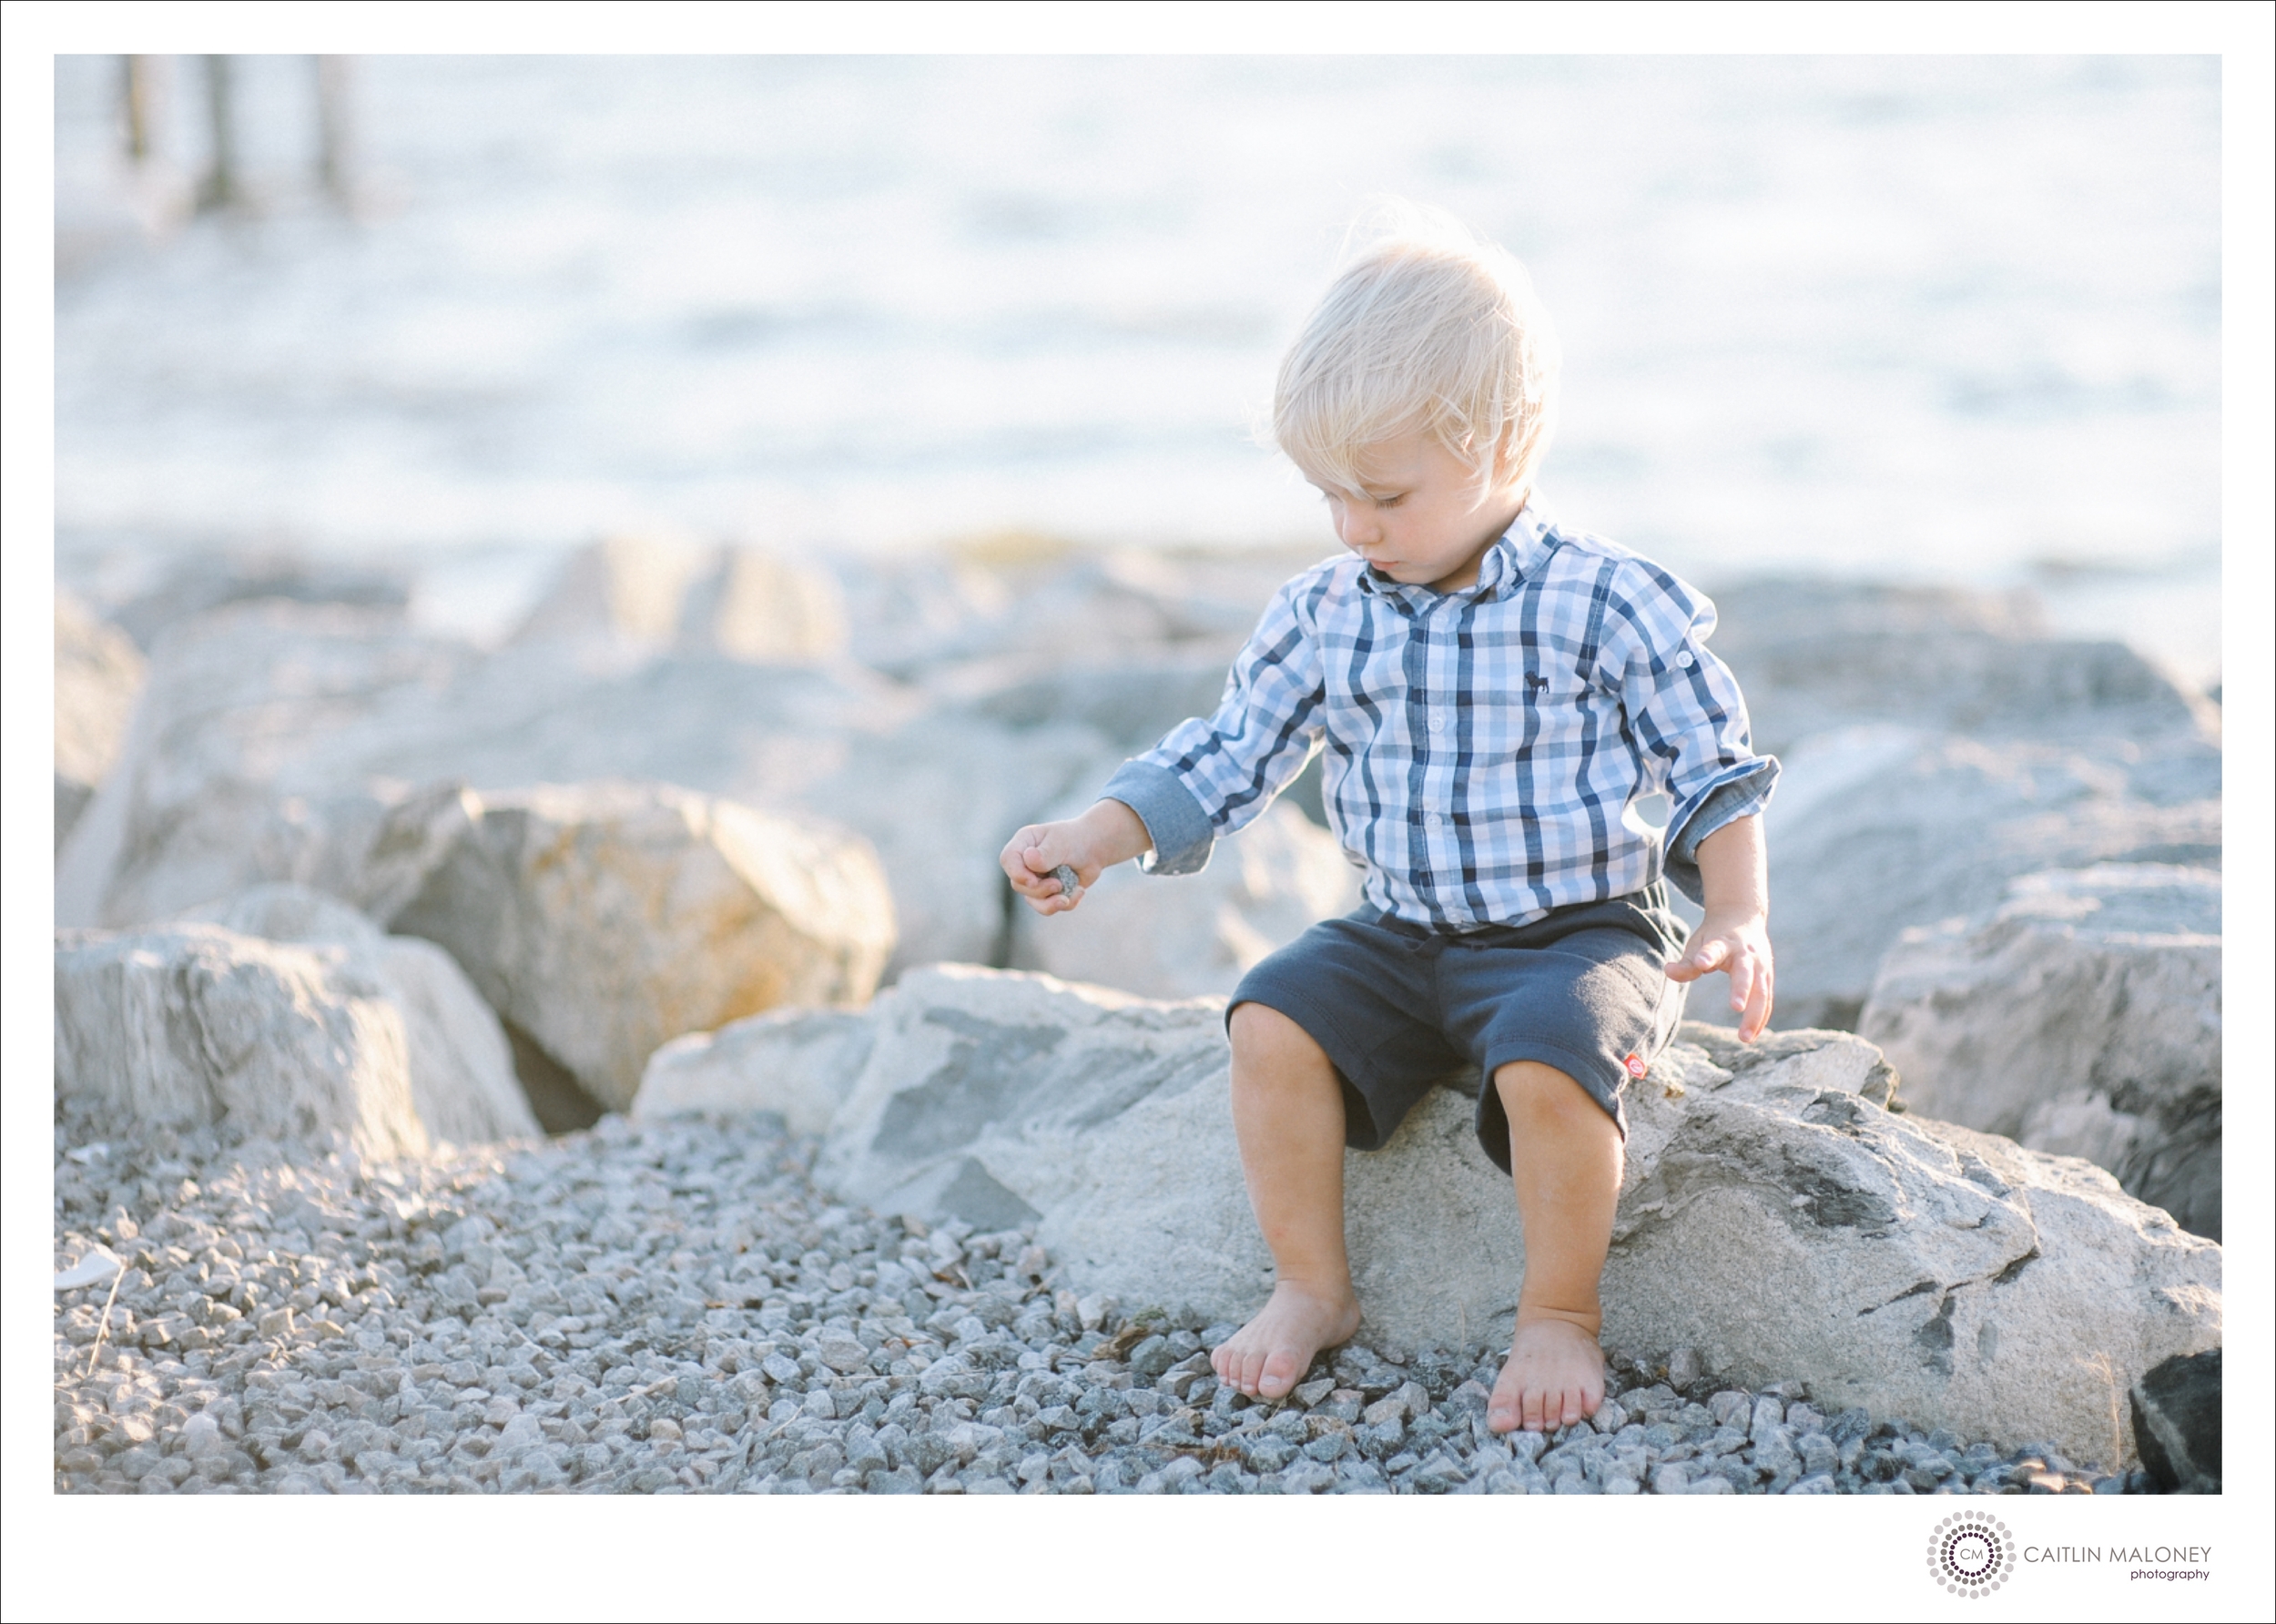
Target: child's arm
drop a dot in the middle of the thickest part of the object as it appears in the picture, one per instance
(1734, 882)
(1108, 834)
(1206, 779)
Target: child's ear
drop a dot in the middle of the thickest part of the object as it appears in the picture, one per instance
(1506, 450)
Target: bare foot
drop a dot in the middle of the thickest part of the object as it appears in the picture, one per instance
(1555, 1376)
(1269, 1356)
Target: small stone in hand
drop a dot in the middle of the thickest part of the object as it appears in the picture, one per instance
(1068, 884)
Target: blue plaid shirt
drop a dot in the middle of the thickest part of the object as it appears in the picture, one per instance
(1486, 747)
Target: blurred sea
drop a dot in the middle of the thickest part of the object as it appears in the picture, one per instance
(1920, 318)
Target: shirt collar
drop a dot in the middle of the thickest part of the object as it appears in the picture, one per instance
(1513, 558)
(1527, 540)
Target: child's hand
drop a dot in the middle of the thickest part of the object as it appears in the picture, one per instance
(1739, 946)
(1109, 833)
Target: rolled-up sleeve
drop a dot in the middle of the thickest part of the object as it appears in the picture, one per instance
(1685, 712)
(1176, 823)
(1210, 777)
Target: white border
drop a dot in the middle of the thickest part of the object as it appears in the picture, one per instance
(578, 1558)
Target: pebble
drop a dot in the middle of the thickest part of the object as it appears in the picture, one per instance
(674, 1308)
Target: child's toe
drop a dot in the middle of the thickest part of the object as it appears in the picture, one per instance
(1252, 1370)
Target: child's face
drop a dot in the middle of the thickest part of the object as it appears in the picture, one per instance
(1423, 516)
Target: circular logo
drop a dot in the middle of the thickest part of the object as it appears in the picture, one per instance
(1971, 1554)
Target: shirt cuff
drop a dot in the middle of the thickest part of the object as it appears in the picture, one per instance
(1183, 837)
(1744, 794)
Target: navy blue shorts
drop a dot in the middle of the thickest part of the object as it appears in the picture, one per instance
(1401, 1009)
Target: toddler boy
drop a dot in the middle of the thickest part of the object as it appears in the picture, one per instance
(1494, 693)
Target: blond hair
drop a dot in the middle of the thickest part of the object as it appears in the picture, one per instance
(1427, 329)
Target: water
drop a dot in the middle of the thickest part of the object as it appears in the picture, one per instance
(1929, 318)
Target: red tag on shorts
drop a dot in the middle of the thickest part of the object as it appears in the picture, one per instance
(1635, 1065)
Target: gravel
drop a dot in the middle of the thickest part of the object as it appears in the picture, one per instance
(674, 1308)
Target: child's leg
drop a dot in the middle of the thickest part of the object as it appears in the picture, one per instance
(1565, 1156)
(1288, 1112)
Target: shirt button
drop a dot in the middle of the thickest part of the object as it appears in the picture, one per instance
(1685, 660)
(1437, 724)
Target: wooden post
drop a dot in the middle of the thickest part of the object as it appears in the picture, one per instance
(335, 129)
(141, 93)
(220, 188)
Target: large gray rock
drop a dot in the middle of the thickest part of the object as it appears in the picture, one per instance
(1049, 604)
(462, 1070)
(312, 746)
(1938, 744)
(800, 1064)
(621, 590)
(1190, 935)
(1130, 702)
(1912, 1266)
(191, 1023)
(606, 919)
(2082, 1016)
(646, 592)
(938, 798)
(1814, 655)
(1775, 1216)
(191, 583)
(98, 675)
(231, 774)
(1877, 828)
(280, 736)
(2177, 1423)
(752, 604)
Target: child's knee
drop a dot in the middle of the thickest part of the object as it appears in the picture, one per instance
(1264, 1038)
(1532, 1090)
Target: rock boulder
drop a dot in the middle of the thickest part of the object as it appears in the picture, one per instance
(604, 920)
(98, 675)
(2081, 1017)
(1189, 935)
(206, 797)
(800, 1064)
(1016, 597)
(752, 604)
(2177, 1423)
(314, 746)
(651, 590)
(938, 798)
(198, 580)
(1776, 1217)
(461, 1071)
(192, 1023)
(1815, 655)
(1875, 830)
(622, 590)
(1912, 1266)
(1938, 744)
